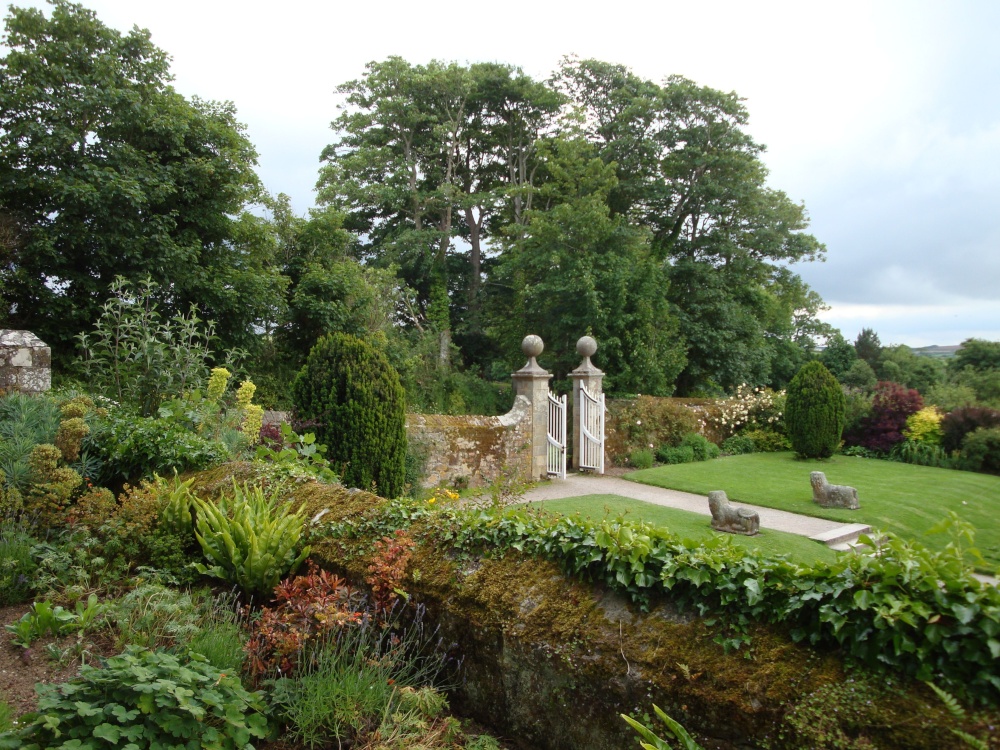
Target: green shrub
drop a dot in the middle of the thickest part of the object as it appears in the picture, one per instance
(921, 454)
(135, 357)
(134, 448)
(251, 539)
(738, 445)
(144, 698)
(703, 448)
(981, 450)
(814, 412)
(653, 742)
(682, 454)
(767, 441)
(924, 426)
(352, 391)
(641, 459)
(11, 501)
(221, 643)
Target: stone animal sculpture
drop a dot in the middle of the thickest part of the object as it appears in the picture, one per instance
(832, 495)
(726, 517)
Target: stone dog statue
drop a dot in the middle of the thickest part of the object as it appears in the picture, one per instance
(726, 517)
(832, 495)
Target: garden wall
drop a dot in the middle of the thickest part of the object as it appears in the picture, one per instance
(471, 451)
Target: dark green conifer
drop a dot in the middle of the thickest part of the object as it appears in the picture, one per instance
(354, 393)
(814, 411)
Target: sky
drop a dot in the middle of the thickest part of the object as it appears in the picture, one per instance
(882, 117)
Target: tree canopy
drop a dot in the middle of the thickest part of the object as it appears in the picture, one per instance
(107, 171)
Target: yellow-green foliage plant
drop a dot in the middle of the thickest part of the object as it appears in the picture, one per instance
(925, 426)
(251, 539)
(52, 486)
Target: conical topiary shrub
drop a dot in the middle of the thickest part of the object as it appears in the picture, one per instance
(815, 410)
(352, 391)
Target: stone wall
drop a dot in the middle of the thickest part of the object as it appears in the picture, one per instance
(25, 362)
(471, 450)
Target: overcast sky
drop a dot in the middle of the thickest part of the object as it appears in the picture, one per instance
(883, 117)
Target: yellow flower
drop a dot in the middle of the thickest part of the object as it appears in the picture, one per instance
(217, 383)
(245, 393)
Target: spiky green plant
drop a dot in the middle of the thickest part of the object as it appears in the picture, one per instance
(652, 742)
(251, 539)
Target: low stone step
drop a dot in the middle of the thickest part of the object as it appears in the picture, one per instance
(847, 533)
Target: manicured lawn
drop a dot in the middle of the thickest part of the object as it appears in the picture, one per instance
(902, 498)
(688, 525)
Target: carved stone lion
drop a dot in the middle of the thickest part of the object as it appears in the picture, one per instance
(832, 495)
(726, 517)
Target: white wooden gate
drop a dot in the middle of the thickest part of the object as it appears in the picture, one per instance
(557, 436)
(591, 445)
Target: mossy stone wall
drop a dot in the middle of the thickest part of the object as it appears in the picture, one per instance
(472, 451)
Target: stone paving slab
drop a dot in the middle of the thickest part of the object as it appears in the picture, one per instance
(575, 485)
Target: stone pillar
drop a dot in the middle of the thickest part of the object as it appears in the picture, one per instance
(532, 382)
(586, 375)
(25, 362)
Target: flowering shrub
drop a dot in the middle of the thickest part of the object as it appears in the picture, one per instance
(754, 408)
(924, 426)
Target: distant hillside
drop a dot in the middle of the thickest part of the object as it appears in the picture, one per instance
(939, 352)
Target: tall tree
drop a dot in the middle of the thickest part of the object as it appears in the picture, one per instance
(430, 153)
(107, 171)
(690, 173)
(578, 270)
(869, 347)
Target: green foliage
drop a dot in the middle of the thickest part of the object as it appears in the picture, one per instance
(703, 448)
(956, 710)
(134, 448)
(906, 607)
(11, 502)
(176, 505)
(25, 421)
(767, 441)
(295, 456)
(668, 454)
(6, 717)
(839, 356)
(250, 539)
(738, 445)
(815, 412)
(981, 450)
(653, 742)
(950, 396)
(860, 376)
(578, 268)
(108, 170)
(354, 394)
(868, 347)
(979, 354)
(48, 619)
(136, 357)
(52, 486)
(641, 459)
(913, 452)
(17, 566)
(146, 699)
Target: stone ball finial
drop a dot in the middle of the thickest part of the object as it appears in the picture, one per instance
(532, 346)
(586, 346)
